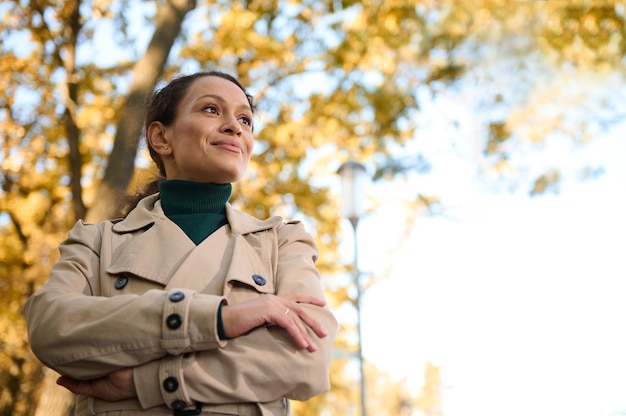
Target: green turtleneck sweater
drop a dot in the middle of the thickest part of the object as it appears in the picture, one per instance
(197, 208)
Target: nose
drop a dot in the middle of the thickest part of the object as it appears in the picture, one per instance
(231, 126)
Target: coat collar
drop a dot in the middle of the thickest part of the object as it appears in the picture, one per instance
(149, 211)
(177, 255)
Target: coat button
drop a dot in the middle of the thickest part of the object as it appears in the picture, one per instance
(174, 321)
(170, 384)
(259, 280)
(121, 282)
(178, 405)
(176, 296)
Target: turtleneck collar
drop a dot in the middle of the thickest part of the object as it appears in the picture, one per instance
(187, 197)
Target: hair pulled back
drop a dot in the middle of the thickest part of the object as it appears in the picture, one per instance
(162, 106)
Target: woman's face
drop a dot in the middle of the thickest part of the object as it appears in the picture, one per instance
(211, 137)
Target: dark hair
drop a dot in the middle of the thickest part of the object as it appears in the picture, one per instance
(162, 106)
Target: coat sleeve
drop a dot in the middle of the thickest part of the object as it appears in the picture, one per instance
(80, 334)
(263, 365)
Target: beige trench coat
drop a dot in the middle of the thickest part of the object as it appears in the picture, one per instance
(138, 293)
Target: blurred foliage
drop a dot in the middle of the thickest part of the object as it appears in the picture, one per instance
(334, 80)
(429, 401)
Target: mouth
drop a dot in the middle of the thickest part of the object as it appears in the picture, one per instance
(230, 145)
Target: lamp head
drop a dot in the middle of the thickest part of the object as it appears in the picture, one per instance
(353, 182)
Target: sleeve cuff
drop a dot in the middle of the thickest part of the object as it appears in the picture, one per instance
(203, 322)
(146, 378)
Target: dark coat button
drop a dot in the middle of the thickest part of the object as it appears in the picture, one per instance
(121, 282)
(178, 405)
(259, 280)
(170, 384)
(177, 296)
(174, 321)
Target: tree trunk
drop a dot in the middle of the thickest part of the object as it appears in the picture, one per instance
(55, 400)
(147, 70)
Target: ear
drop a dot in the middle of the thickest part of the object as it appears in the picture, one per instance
(157, 138)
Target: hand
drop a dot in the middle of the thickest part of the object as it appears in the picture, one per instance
(282, 310)
(115, 386)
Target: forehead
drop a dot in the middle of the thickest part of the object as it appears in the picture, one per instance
(216, 86)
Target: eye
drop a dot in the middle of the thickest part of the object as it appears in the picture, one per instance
(246, 120)
(211, 108)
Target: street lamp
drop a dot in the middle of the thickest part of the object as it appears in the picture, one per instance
(353, 181)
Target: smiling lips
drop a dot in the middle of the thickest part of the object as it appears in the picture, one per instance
(230, 145)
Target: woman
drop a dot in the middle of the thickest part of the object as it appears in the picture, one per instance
(186, 305)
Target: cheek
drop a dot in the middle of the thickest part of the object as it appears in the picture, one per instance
(250, 144)
(187, 136)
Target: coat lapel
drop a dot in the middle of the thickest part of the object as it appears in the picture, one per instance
(154, 254)
(163, 253)
(201, 269)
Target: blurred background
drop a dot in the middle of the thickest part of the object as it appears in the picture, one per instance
(482, 272)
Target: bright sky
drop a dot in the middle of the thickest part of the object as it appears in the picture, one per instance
(520, 301)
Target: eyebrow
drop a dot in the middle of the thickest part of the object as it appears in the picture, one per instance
(222, 100)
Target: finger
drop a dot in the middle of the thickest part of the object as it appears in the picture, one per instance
(313, 300)
(291, 322)
(309, 320)
(302, 298)
(73, 385)
(311, 346)
(303, 320)
(313, 323)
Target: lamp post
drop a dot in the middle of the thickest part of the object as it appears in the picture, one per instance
(353, 181)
